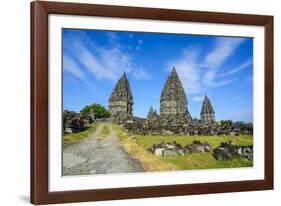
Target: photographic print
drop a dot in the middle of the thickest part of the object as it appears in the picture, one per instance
(147, 102)
(160, 102)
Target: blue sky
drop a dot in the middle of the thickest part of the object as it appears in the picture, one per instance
(221, 67)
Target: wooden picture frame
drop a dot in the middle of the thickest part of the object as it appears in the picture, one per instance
(40, 107)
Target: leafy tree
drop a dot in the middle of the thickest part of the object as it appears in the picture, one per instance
(99, 110)
(226, 122)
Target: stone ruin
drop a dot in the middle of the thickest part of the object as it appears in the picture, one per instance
(173, 102)
(120, 104)
(152, 115)
(174, 118)
(174, 149)
(72, 122)
(227, 150)
(207, 112)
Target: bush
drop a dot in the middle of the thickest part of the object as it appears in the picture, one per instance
(226, 122)
(99, 111)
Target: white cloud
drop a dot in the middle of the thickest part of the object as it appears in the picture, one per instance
(188, 70)
(198, 75)
(92, 63)
(141, 74)
(105, 62)
(140, 42)
(198, 98)
(242, 66)
(72, 67)
(224, 47)
(222, 82)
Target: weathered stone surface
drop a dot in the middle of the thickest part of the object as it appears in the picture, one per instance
(177, 126)
(72, 122)
(159, 151)
(207, 112)
(174, 149)
(173, 100)
(90, 118)
(170, 152)
(197, 147)
(152, 115)
(227, 150)
(121, 101)
(157, 126)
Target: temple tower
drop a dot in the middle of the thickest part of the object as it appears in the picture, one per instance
(121, 100)
(173, 102)
(207, 112)
(152, 114)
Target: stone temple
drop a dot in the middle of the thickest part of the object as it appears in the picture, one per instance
(121, 101)
(152, 114)
(173, 102)
(174, 118)
(207, 112)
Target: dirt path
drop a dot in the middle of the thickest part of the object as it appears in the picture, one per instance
(98, 156)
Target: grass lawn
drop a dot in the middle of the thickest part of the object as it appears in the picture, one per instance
(74, 137)
(137, 145)
(104, 132)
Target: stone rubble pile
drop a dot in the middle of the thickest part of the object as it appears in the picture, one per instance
(174, 149)
(179, 126)
(227, 150)
(72, 122)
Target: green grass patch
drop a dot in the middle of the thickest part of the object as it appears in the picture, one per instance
(75, 137)
(192, 161)
(104, 132)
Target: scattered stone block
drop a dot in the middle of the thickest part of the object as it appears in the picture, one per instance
(227, 150)
(170, 152)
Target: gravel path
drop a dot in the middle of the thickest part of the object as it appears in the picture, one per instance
(98, 156)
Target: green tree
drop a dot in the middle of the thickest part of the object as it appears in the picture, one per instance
(99, 110)
(226, 122)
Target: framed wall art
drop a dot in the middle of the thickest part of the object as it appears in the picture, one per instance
(133, 102)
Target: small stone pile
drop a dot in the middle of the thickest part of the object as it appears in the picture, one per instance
(227, 150)
(72, 122)
(174, 149)
(197, 147)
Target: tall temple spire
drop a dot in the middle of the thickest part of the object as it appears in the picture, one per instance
(152, 114)
(173, 99)
(207, 112)
(121, 99)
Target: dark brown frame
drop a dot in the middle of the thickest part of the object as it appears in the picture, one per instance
(39, 102)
